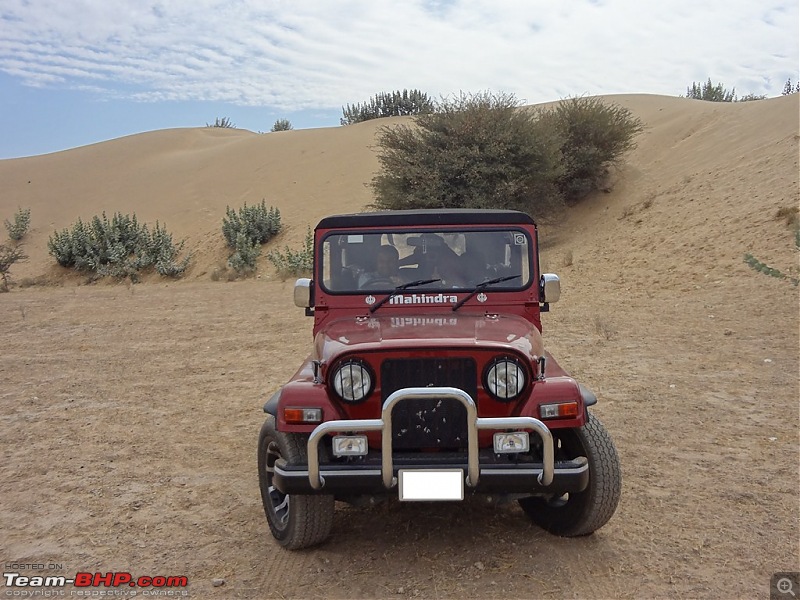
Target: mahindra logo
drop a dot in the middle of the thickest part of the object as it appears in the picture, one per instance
(423, 299)
(422, 321)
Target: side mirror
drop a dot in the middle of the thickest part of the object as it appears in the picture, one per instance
(550, 288)
(302, 292)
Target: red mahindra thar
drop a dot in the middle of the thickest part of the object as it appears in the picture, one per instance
(428, 380)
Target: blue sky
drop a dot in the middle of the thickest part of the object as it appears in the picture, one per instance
(74, 72)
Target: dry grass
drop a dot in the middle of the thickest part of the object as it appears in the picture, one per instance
(569, 258)
(790, 214)
(604, 328)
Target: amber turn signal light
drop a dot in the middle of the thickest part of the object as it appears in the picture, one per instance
(299, 416)
(563, 410)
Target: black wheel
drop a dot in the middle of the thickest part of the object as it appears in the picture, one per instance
(583, 512)
(296, 521)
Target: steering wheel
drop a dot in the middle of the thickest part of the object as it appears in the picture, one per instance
(379, 283)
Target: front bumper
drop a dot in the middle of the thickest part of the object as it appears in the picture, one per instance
(380, 473)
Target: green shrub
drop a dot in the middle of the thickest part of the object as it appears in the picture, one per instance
(258, 223)
(224, 123)
(475, 151)
(593, 136)
(752, 97)
(8, 257)
(710, 92)
(18, 229)
(485, 151)
(282, 125)
(245, 254)
(388, 104)
(294, 262)
(119, 247)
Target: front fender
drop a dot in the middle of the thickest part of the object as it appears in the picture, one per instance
(553, 390)
(301, 394)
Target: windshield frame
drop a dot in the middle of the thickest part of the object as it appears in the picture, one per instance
(461, 229)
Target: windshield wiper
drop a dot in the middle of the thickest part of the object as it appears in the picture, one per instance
(399, 289)
(481, 286)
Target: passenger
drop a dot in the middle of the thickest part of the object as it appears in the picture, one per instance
(450, 269)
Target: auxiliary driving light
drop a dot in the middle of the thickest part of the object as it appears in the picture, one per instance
(563, 410)
(302, 415)
(506, 443)
(350, 445)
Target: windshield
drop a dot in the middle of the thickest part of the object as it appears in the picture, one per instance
(459, 259)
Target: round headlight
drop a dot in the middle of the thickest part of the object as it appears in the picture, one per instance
(352, 381)
(505, 379)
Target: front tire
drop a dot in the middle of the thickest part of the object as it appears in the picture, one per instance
(582, 513)
(296, 521)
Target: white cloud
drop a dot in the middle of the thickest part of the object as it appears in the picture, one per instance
(322, 54)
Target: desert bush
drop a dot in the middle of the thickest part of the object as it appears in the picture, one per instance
(18, 229)
(476, 151)
(485, 151)
(294, 262)
(9, 256)
(593, 137)
(224, 123)
(245, 254)
(258, 223)
(752, 97)
(282, 125)
(388, 104)
(245, 230)
(120, 247)
(710, 92)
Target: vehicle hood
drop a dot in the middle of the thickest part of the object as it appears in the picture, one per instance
(446, 330)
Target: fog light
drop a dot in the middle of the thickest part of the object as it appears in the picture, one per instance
(563, 410)
(505, 443)
(350, 445)
(302, 415)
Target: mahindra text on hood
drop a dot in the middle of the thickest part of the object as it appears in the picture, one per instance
(431, 330)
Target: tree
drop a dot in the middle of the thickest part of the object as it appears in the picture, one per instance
(710, 92)
(485, 151)
(476, 151)
(388, 104)
(789, 89)
(282, 125)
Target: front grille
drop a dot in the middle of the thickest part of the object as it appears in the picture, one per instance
(432, 422)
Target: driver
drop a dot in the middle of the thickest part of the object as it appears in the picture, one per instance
(387, 268)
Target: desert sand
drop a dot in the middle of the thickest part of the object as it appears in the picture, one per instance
(130, 413)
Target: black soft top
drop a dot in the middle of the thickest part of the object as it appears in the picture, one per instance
(443, 216)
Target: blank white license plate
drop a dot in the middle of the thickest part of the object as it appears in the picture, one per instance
(443, 484)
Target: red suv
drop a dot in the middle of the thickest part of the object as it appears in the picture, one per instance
(428, 380)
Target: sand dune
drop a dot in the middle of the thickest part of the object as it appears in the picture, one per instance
(186, 177)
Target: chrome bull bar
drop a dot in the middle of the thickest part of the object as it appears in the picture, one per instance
(474, 423)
